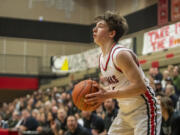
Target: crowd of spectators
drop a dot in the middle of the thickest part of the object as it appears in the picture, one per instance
(167, 90)
(52, 112)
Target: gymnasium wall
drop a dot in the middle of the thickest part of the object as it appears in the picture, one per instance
(32, 56)
(69, 11)
(26, 56)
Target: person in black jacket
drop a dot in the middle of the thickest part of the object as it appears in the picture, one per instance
(74, 128)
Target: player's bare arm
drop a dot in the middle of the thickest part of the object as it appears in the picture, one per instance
(126, 63)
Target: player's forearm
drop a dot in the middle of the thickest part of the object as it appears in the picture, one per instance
(128, 91)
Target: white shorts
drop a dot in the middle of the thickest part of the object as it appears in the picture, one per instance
(142, 121)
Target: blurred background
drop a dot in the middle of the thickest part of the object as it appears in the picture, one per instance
(46, 47)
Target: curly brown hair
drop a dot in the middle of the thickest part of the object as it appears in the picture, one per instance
(115, 22)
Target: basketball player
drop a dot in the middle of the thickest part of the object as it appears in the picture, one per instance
(139, 112)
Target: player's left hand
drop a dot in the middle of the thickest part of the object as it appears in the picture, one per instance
(97, 97)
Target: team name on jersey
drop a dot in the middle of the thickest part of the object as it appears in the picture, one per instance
(112, 79)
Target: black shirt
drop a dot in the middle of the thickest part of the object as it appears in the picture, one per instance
(109, 117)
(172, 125)
(79, 131)
(31, 123)
(95, 122)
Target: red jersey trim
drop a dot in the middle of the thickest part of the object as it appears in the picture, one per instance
(100, 60)
(151, 111)
(117, 68)
(108, 58)
(134, 58)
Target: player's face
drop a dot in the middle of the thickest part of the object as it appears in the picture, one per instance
(101, 32)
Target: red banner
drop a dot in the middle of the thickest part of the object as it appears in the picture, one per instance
(175, 10)
(162, 38)
(162, 12)
(19, 83)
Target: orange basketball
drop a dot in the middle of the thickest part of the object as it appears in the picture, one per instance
(79, 92)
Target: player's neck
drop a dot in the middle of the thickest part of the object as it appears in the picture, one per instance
(106, 48)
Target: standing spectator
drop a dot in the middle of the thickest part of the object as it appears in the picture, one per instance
(170, 70)
(170, 92)
(47, 106)
(72, 109)
(64, 98)
(176, 79)
(100, 111)
(54, 110)
(74, 128)
(170, 119)
(111, 112)
(158, 75)
(158, 86)
(79, 119)
(165, 76)
(35, 113)
(151, 72)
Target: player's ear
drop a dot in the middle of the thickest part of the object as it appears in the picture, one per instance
(112, 33)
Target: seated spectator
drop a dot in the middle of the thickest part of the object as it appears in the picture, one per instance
(74, 128)
(170, 70)
(29, 122)
(53, 124)
(170, 119)
(43, 124)
(151, 72)
(111, 112)
(79, 119)
(14, 119)
(61, 116)
(92, 121)
(159, 95)
(3, 123)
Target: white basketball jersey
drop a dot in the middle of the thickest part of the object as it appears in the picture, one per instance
(116, 79)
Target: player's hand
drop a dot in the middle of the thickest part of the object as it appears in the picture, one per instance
(97, 97)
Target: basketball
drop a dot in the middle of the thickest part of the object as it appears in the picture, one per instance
(80, 91)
